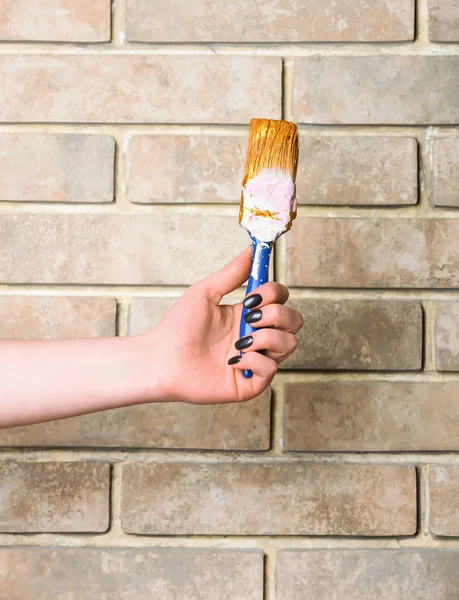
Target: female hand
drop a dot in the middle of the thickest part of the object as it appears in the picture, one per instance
(194, 342)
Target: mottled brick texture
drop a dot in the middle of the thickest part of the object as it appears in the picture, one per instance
(445, 176)
(447, 337)
(127, 573)
(268, 499)
(373, 416)
(374, 253)
(56, 168)
(358, 334)
(444, 509)
(444, 20)
(270, 21)
(360, 170)
(362, 574)
(372, 90)
(137, 89)
(56, 497)
(211, 173)
(48, 317)
(55, 20)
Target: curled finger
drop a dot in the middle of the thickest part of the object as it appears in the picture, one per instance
(277, 344)
(277, 316)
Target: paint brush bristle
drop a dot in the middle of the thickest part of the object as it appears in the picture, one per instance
(268, 203)
(272, 145)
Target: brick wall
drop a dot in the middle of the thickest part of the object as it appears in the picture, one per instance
(121, 130)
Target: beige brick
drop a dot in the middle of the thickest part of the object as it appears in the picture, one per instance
(268, 499)
(146, 313)
(444, 508)
(270, 21)
(239, 426)
(138, 89)
(48, 317)
(54, 496)
(358, 334)
(377, 253)
(445, 177)
(124, 249)
(444, 20)
(383, 90)
(447, 337)
(363, 574)
(373, 416)
(357, 170)
(128, 573)
(185, 168)
(56, 168)
(55, 20)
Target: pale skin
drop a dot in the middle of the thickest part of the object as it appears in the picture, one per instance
(184, 358)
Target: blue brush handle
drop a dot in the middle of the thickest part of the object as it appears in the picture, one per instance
(258, 276)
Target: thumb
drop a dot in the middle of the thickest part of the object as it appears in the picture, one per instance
(230, 277)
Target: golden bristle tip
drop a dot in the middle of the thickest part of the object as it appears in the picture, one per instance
(268, 203)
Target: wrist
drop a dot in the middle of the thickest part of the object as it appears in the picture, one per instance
(149, 379)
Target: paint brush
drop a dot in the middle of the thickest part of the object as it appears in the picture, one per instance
(268, 203)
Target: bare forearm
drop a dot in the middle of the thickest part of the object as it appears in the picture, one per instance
(46, 380)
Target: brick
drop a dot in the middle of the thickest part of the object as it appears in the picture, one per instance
(445, 177)
(48, 317)
(55, 20)
(374, 253)
(268, 499)
(358, 334)
(146, 313)
(364, 574)
(371, 416)
(239, 426)
(447, 337)
(127, 573)
(138, 89)
(111, 249)
(443, 20)
(387, 90)
(56, 168)
(54, 496)
(357, 170)
(444, 491)
(185, 168)
(271, 21)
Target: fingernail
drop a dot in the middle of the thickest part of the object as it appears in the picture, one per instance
(244, 343)
(234, 360)
(253, 316)
(252, 301)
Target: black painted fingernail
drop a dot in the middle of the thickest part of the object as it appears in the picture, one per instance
(253, 316)
(244, 343)
(234, 360)
(252, 301)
